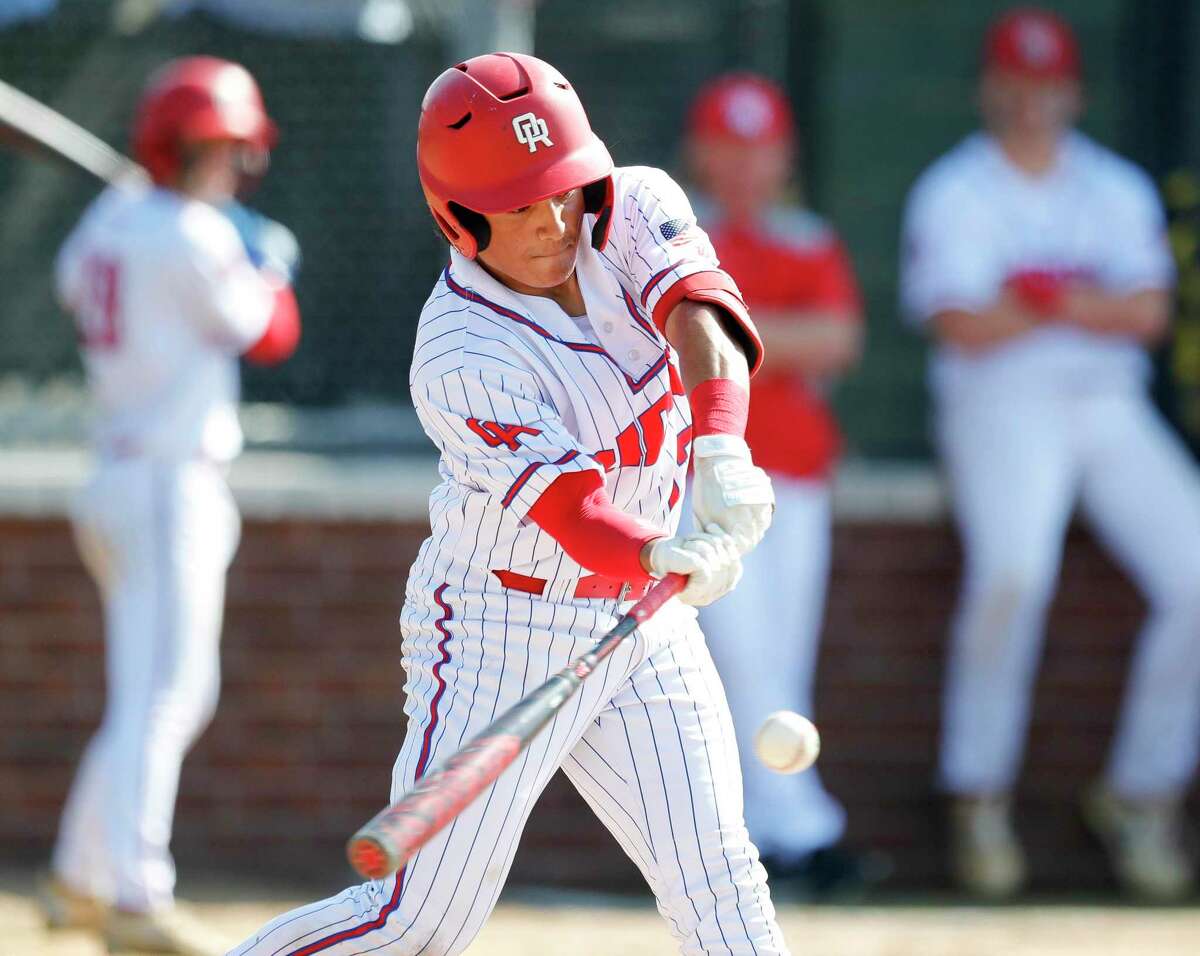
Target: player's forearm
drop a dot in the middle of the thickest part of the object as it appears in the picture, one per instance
(707, 348)
(714, 368)
(1143, 316)
(981, 331)
(817, 344)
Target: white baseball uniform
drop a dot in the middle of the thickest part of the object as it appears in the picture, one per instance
(1056, 415)
(514, 393)
(164, 299)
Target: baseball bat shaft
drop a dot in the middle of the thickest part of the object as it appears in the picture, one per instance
(31, 126)
(392, 836)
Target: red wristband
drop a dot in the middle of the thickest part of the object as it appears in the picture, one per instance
(720, 406)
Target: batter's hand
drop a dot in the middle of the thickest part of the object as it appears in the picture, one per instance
(269, 244)
(710, 559)
(729, 490)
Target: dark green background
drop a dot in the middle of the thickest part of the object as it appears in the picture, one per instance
(880, 86)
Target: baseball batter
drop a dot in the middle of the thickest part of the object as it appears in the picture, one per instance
(581, 314)
(165, 297)
(795, 274)
(1038, 263)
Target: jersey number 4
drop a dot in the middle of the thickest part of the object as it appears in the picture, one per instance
(494, 434)
(96, 316)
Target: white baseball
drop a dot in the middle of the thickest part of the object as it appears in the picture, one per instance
(787, 742)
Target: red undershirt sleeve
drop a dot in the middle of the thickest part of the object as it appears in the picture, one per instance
(282, 334)
(576, 512)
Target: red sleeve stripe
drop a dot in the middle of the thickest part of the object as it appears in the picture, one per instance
(523, 477)
(717, 288)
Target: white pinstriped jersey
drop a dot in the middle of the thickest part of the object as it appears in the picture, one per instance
(974, 219)
(514, 392)
(165, 299)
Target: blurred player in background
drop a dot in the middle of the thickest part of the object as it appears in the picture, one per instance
(1037, 262)
(562, 362)
(797, 279)
(166, 292)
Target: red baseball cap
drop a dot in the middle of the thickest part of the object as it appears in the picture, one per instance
(1032, 42)
(743, 107)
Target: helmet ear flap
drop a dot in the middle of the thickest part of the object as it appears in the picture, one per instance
(598, 200)
(454, 232)
(475, 224)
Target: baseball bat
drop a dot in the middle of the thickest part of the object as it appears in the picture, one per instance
(33, 127)
(391, 838)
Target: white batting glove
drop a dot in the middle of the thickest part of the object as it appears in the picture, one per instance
(729, 490)
(710, 559)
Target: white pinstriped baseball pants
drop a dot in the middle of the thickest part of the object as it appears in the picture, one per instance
(158, 538)
(1017, 464)
(647, 741)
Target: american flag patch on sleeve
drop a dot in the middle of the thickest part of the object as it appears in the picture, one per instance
(674, 227)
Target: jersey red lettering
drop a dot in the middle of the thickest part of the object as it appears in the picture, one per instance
(629, 447)
(494, 434)
(653, 430)
(676, 380)
(682, 441)
(641, 442)
(96, 316)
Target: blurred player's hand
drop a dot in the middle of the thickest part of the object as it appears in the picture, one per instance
(710, 559)
(730, 491)
(1041, 292)
(269, 244)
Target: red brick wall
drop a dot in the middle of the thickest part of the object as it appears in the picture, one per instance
(301, 749)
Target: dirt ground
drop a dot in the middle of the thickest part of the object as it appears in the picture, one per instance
(548, 924)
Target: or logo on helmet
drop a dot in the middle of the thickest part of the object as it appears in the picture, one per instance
(531, 130)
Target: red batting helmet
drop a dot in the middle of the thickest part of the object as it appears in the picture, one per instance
(194, 99)
(743, 107)
(1032, 42)
(506, 130)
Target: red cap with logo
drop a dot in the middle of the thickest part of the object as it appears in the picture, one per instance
(741, 107)
(1032, 42)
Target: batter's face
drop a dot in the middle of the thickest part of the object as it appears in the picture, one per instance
(1027, 107)
(213, 170)
(742, 178)
(533, 248)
